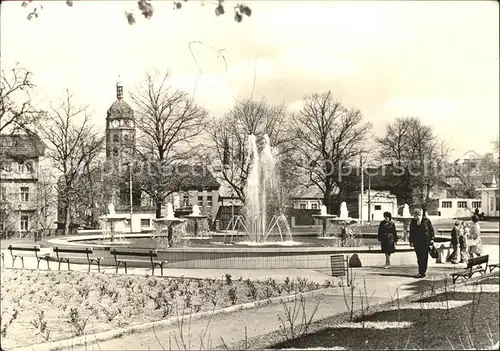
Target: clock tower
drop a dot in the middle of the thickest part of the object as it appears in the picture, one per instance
(120, 129)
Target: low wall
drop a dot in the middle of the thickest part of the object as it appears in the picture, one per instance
(254, 257)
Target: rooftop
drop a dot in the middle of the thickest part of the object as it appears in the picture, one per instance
(21, 147)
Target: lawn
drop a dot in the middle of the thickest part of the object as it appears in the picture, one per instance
(42, 306)
(464, 318)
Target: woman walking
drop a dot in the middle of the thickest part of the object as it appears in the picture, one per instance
(476, 243)
(387, 236)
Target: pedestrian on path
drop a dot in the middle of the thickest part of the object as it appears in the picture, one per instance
(421, 238)
(462, 241)
(476, 244)
(455, 232)
(387, 236)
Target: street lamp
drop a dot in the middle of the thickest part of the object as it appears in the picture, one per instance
(128, 164)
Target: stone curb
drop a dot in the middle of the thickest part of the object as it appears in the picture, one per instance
(111, 334)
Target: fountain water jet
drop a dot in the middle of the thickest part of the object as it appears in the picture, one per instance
(259, 191)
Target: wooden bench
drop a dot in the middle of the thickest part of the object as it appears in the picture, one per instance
(340, 266)
(492, 266)
(124, 256)
(32, 251)
(67, 254)
(474, 265)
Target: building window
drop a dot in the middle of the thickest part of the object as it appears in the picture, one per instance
(145, 222)
(462, 204)
(5, 166)
(209, 201)
(302, 206)
(21, 168)
(314, 206)
(378, 207)
(24, 223)
(25, 193)
(446, 204)
(29, 167)
(185, 200)
(497, 203)
(476, 204)
(116, 138)
(3, 194)
(200, 201)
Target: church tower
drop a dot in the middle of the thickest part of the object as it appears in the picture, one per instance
(120, 129)
(120, 146)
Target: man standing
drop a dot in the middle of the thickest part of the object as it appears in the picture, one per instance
(421, 237)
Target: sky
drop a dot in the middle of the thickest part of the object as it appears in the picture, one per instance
(434, 60)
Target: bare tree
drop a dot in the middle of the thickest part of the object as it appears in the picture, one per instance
(229, 139)
(419, 157)
(327, 137)
(17, 114)
(168, 121)
(72, 144)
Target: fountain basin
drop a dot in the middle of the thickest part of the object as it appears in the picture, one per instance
(236, 256)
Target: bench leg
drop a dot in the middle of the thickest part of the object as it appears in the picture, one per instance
(161, 269)
(116, 267)
(153, 269)
(68, 264)
(48, 263)
(125, 264)
(59, 265)
(99, 266)
(89, 268)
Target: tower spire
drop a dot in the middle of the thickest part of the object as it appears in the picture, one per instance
(119, 89)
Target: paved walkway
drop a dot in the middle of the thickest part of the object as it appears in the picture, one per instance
(381, 286)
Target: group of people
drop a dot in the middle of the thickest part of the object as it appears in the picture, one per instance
(465, 241)
(421, 237)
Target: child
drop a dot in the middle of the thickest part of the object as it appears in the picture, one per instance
(455, 233)
(462, 241)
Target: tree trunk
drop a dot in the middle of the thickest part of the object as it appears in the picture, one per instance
(66, 219)
(158, 208)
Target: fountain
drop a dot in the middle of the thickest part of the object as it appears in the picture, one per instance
(405, 219)
(324, 217)
(112, 219)
(196, 215)
(344, 220)
(260, 191)
(167, 222)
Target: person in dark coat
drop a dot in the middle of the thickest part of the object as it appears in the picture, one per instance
(455, 233)
(421, 237)
(387, 236)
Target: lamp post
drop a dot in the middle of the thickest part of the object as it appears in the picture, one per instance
(128, 164)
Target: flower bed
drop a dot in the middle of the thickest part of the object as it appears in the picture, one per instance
(38, 306)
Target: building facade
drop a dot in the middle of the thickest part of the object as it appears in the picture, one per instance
(490, 199)
(21, 196)
(458, 207)
(375, 203)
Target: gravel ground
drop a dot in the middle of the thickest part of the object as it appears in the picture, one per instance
(473, 325)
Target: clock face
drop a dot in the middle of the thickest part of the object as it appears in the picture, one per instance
(115, 123)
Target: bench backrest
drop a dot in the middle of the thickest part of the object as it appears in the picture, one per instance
(132, 253)
(24, 248)
(72, 251)
(477, 261)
